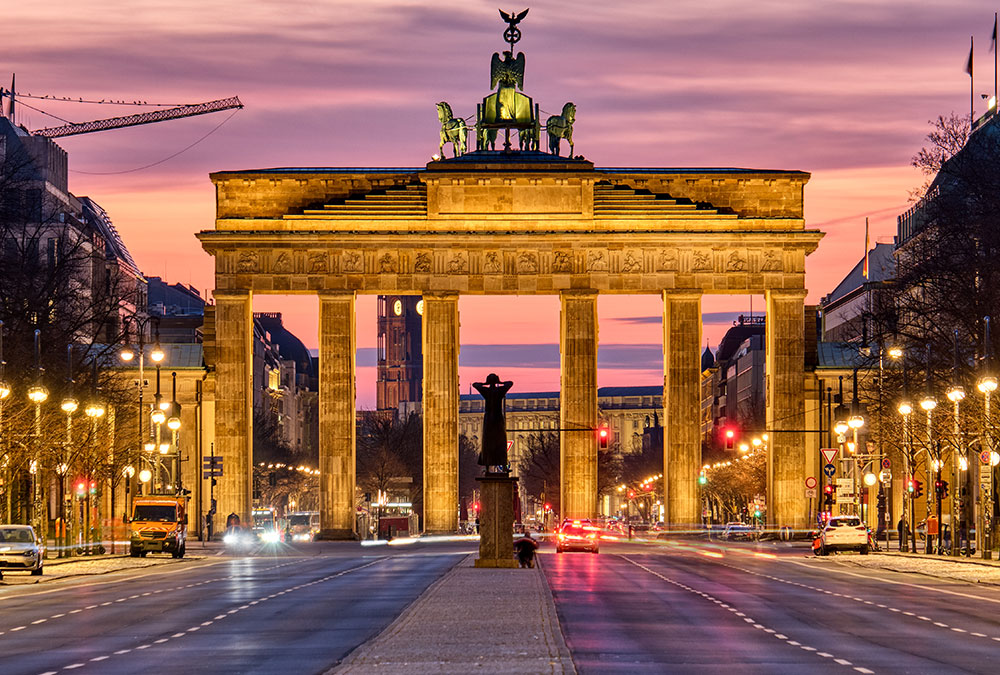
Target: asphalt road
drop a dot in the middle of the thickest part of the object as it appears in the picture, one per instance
(699, 607)
(296, 610)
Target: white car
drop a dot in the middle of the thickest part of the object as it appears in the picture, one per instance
(843, 533)
(21, 549)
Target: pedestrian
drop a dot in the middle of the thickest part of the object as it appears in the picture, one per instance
(525, 550)
(901, 531)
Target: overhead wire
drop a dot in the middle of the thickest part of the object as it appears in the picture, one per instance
(161, 161)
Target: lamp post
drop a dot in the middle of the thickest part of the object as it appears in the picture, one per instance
(38, 394)
(69, 406)
(95, 411)
(841, 428)
(174, 424)
(987, 385)
(127, 354)
(4, 393)
(956, 394)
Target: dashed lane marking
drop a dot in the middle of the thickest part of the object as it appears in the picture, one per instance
(756, 625)
(789, 582)
(193, 629)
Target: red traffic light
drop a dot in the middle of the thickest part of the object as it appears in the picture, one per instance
(603, 436)
(729, 434)
(828, 489)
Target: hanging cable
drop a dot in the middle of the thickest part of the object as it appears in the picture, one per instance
(165, 159)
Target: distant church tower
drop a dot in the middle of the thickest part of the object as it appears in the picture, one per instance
(400, 355)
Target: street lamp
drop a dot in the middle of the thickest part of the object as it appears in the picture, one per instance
(987, 385)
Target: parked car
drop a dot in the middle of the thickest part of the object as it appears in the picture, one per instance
(21, 549)
(575, 537)
(842, 533)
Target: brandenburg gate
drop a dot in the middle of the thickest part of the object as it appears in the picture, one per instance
(515, 222)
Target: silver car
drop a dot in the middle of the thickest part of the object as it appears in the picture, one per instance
(21, 549)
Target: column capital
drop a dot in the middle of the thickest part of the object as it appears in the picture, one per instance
(682, 294)
(337, 295)
(440, 295)
(579, 293)
(231, 294)
(787, 293)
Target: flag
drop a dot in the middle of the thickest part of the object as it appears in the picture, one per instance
(993, 39)
(864, 269)
(968, 66)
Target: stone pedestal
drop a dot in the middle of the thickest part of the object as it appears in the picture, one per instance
(496, 522)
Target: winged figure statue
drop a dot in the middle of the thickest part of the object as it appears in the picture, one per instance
(507, 72)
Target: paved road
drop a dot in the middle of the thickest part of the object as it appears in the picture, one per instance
(710, 608)
(298, 610)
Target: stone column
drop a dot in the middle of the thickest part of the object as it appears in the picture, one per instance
(578, 404)
(682, 409)
(336, 416)
(440, 345)
(234, 404)
(784, 391)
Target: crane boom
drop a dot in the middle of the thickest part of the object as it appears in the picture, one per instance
(141, 118)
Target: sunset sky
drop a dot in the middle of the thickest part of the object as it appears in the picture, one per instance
(841, 89)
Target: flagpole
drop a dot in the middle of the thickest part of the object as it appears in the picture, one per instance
(996, 101)
(972, 87)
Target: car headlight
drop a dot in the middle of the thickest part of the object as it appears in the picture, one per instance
(271, 537)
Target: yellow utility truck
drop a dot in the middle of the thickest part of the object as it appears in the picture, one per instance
(158, 524)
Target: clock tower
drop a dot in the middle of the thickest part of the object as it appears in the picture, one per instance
(400, 357)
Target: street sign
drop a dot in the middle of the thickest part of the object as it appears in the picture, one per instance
(984, 457)
(810, 482)
(510, 444)
(829, 454)
(885, 476)
(845, 491)
(810, 493)
(886, 463)
(829, 470)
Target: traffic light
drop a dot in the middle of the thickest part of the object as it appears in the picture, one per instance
(828, 495)
(910, 486)
(730, 435)
(941, 488)
(918, 489)
(603, 436)
(702, 478)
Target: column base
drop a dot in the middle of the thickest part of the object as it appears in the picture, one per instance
(496, 522)
(336, 535)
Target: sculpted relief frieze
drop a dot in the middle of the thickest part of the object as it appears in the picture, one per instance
(736, 261)
(666, 261)
(562, 262)
(353, 262)
(597, 260)
(527, 262)
(493, 263)
(632, 262)
(635, 268)
(701, 261)
(282, 263)
(423, 263)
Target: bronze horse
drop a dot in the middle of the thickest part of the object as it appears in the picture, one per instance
(561, 126)
(453, 130)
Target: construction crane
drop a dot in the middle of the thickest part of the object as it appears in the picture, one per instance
(140, 118)
(163, 115)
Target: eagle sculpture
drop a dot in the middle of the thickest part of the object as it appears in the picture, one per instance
(507, 72)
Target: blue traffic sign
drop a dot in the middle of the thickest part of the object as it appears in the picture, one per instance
(829, 470)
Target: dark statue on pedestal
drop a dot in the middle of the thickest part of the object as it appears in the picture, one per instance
(494, 451)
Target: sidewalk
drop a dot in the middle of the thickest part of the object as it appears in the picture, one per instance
(486, 620)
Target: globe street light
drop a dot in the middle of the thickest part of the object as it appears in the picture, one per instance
(987, 385)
